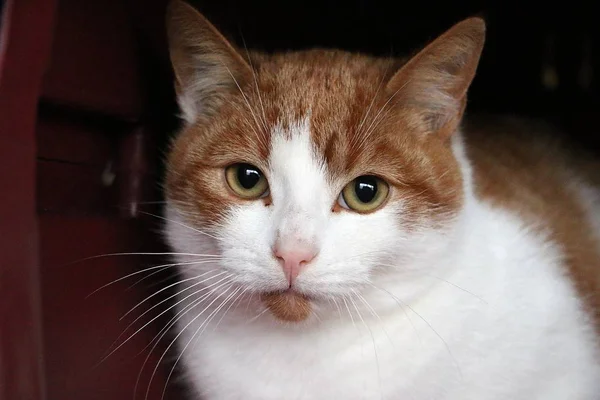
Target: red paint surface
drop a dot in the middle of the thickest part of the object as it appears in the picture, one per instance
(79, 60)
(23, 57)
(74, 189)
(95, 63)
(60, 138)
(81, 327)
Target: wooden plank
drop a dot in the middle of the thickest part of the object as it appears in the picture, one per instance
(81, 327)
(76, 189)
(24, 52)
(95, 63)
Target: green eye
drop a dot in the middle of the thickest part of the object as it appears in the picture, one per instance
(246, 181)
(364, 194)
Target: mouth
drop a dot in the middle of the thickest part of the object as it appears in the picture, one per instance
(288, 305)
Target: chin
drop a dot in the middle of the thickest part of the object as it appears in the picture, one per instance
(302, 304)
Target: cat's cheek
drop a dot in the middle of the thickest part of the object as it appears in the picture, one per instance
(354, 246)
(187, 238)
(246, 235)
(249, 224)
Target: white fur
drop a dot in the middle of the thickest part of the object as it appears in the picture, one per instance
(190, 100)
(479, 310)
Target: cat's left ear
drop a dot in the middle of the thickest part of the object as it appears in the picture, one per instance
(207, 67)
(431, 87)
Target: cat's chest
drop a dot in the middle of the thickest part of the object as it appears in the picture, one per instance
(369, 365)
(358, 363)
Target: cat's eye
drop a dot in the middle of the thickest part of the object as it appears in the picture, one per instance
(364, 194)
(246, 181)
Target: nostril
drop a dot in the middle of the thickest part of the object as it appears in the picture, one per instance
(293, 260)
(294, 257)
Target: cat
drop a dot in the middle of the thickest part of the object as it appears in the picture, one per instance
(343, 233)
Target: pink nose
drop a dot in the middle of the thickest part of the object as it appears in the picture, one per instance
(293, 260)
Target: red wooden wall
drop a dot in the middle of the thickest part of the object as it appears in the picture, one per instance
(79, 144)
(23, 54)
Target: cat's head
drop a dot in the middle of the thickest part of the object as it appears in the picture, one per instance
(316, 174)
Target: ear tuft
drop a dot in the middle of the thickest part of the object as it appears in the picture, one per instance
(207, 67)
(432, 86)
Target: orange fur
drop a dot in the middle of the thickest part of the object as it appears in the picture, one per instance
(367, 116)
(289, 307)
(518, 165)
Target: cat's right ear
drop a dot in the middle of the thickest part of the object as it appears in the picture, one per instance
(207, 67)
(432, 86)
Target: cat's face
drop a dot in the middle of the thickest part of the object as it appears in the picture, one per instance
(315, 173)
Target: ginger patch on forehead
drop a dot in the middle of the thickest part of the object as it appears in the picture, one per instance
(287, 306)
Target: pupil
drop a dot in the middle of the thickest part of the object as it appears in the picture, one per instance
(248, 176)
(366, 188)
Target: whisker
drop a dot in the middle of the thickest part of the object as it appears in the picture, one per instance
(192, 304)
(402, 307)
(227, 279)
(364, 119)
(257, 316)
(204, 325)
(229, 308)
(180, 224)
(147, 276)
(170, 286)
(264, 119)
(260, 139)
(439, 336)
(153, 202)
(337, 305)
(249, 301)
(427, 323)
(372, 311)
(375, 119)
(137, 331)
(442, 280)
(372, 339)
(146, 270)
(168, 278)
(172, 342)
(139, 254)
(206, 321)
(349, 313)
(458, 287)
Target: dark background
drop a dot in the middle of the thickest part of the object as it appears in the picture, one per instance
(87, 109)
